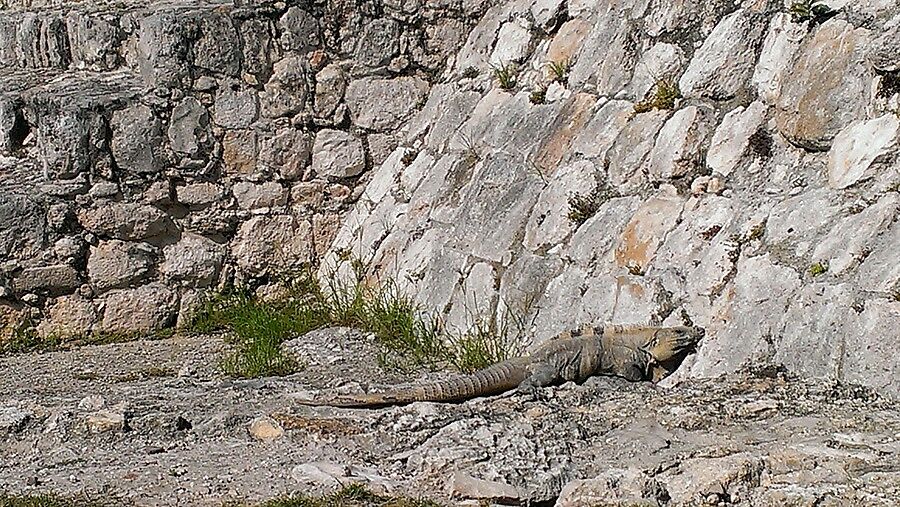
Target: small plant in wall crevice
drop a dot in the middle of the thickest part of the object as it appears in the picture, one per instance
(506, 75)
(814, 11)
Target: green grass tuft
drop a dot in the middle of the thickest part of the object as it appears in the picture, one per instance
(408, 337)
(52, 500)
(538, 96)
(560, 70)
(506, 75)
(662, 95)
(353, 495)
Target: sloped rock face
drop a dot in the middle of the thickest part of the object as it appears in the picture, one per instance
(762, 206)
(170, 143)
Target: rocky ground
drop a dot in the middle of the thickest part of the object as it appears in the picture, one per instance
(154, 422)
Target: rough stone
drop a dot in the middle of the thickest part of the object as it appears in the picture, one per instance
(614, 487)
(328, 475)
(732, 137)
(702, 478)
(257, 48)
(337, 154)
(546, 13)
(850, 241)
(777, 52)
(549, 223)
(137, 140)
(55, 280)
(218, 47)
(265, 429)
(632, 148)
(286, 92)
(868, 358)
(236, 106)
(465, 486)
(884, 51)
(513, 43)
(288, 153)
(299, 30)
(793, 221)
(103, 421)
(725, 61)
(265, 195)
(762, 288)
(828, 86)
(93, 40)
(69, 316)
(13, 419)
(188, 127)
(146, 308)
(116, 264)
(857, 147)
(662, 61)
(601, 131)
(679, 144)
(22, 225)
(199, 194)
(239, 152)
(646, 230)
(378, 43)
(880, 271)
(383, 104)
(194, 259)
(161, 49)
(330, 85)
(265, 244)
(499, 200)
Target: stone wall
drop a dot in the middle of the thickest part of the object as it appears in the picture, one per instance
(152, 152)
(763, 206)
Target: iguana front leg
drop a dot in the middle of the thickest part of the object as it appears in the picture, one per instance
(539, 374)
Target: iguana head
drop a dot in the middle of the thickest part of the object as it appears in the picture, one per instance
(669, 342)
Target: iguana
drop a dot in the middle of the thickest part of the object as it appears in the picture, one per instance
(631, 351)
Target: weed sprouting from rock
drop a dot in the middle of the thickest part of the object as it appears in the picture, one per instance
(538, 96)
(506, 75)
(584, 206)
(559, 70)
(815, 11)
(663, 95)
(818, 268)
(470, 73)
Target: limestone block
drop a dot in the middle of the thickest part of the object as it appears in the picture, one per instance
(145, 308)
(857, 147)
(193, 259)
(828, 88)
(116, 264)
(383, 104)
(337, 154)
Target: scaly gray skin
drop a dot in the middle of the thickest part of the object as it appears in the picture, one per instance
(632, 352)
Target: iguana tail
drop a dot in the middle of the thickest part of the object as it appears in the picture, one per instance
(495, 379)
